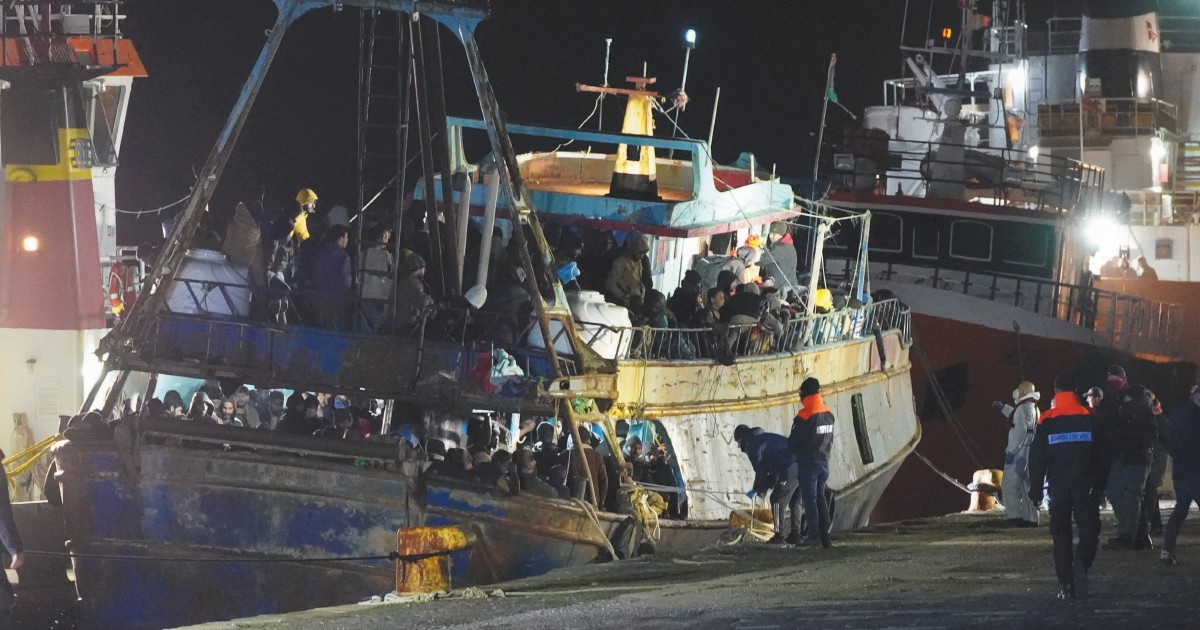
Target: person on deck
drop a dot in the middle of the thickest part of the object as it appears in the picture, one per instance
(375, 270)
(1065, 454)
(202, 409)
(597, 491)
(1150, 523)
(625, 284)
(10, 539)
(243, 410)
(332, 280)
(1147, 272)
(778, 263)
(1024, 415)
(1184, 443)
(412, 296)
(810, 440)
(774, 467)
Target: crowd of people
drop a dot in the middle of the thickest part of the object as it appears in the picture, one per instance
(1108, 443)
(548, 462)
(313, 269)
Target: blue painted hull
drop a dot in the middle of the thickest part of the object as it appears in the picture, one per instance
(248, 520)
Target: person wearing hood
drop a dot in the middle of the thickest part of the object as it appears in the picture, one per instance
(202, 408)
(412, 296)
(811, 440)
(775, 468)
(625, 284)
(1184, 444)
(1065, 454)
(779, 260)
(300, 415)
(1023, 414)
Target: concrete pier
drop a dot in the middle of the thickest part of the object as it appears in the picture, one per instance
(950, 572)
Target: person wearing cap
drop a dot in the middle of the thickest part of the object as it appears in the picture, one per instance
(412, 296)
(1023, 414)
(1093, 397)
(810, 441)
(1106, 412)
(775, 468)
(1065, 454)
(1150, 521)
(307, 199)
(779, 259)
(1130, 432)
(1184, 444)
(625, 284)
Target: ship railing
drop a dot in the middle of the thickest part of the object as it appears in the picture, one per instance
(756, 339)
(1127, 322)
(278, 308)
(1006, 177)
(1103, 117)
(45, 23)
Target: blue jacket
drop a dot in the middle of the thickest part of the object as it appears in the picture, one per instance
(771, 458)
(1183, 440)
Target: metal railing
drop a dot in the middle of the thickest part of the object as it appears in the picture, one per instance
(765, 337)
(1048, 183)
(1129, 323)
(1106, 117)
(1178, 33)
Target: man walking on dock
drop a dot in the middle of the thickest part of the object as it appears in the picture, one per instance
(811, 438)
(1064, 453)
(1183, 441)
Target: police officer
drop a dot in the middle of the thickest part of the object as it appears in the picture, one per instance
(774, 467)
(1065, 453)
(810, 441)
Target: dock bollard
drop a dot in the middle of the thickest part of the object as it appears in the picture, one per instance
(424, 565)
(984, 487)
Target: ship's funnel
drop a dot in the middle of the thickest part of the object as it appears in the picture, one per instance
(1119, 50)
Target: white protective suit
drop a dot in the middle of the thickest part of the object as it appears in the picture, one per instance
(1024, 414)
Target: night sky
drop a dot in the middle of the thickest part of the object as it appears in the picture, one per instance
(769, 58)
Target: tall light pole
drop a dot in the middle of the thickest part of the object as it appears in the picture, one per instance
(680, 97)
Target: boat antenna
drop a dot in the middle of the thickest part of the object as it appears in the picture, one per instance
(824, 113)
(607, 56)
(712, 126)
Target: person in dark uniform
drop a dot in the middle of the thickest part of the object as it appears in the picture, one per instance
(11, 540)
(1065, 453)
(810, 441)
(775, 468)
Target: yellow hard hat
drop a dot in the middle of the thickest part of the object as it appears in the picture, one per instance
(306, 196)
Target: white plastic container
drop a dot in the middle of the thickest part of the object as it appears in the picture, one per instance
(602, 325)
(209, 284)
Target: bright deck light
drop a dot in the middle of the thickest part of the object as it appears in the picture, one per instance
(30, 244)
(689, 37)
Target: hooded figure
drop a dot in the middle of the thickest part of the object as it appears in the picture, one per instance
(779, 260)
(625, 284)
(201, 409)
(1024, 415)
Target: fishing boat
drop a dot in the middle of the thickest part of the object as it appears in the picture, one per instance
(992, 226)
(171, 522)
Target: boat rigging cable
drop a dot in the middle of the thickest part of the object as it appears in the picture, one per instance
(395, 555)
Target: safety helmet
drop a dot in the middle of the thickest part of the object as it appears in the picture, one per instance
(754, 241)
(1026, 388)
(306, 196)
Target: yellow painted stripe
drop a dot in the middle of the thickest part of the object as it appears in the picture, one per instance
(72, 165)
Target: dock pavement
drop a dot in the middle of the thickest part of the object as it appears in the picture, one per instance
(965, 570)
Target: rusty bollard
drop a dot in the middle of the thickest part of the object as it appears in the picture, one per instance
(424, 565)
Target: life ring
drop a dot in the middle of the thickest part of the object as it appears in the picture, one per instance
(121, 291)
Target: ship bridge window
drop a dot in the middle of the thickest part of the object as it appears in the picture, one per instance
(1163, 249)
(104, 120)
(971, 240)
(887, 233)
(926, 243)
(29, 126)
(1026, 244)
